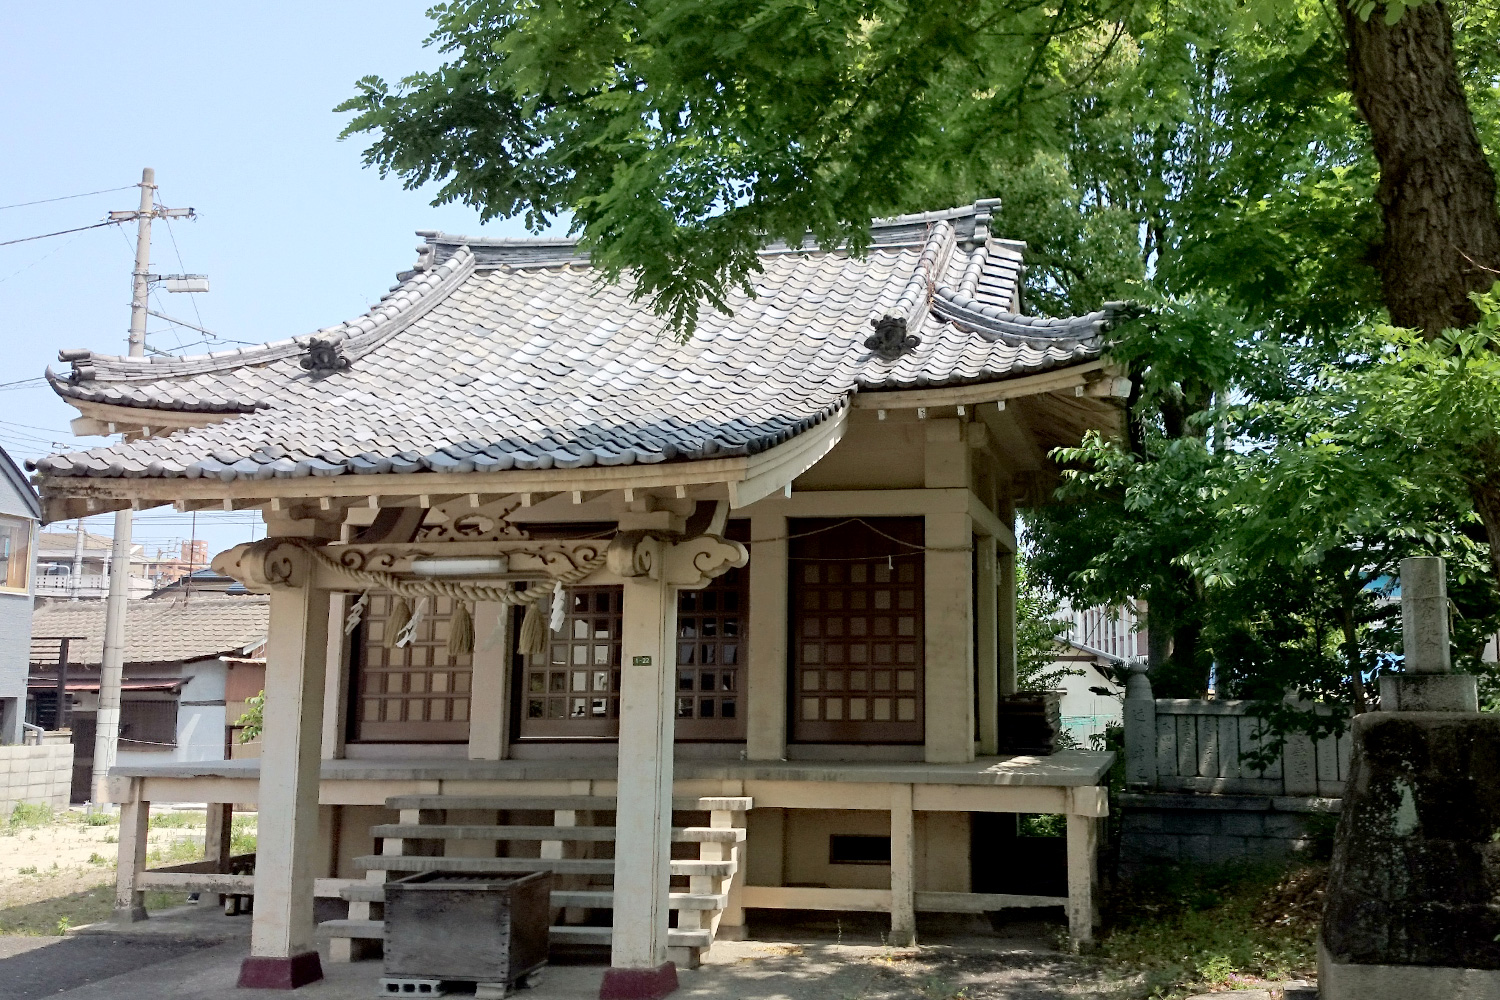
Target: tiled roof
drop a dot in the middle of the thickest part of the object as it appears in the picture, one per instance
(159, 631)
(502, 354)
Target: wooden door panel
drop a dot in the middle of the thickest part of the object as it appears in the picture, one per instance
(417, 693)
(857, 630)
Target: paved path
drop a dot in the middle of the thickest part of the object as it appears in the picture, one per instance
(32, 967)
(161, 960)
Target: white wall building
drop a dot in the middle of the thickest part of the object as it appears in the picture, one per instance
(20, 513)
(1099, 641)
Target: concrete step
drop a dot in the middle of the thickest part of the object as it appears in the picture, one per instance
(365, 929)
(593, 899)
(602, 935)
(374, 930)
(562, 866)
(363, 892)
(605, 803)
(439, 831)
(603, 899)
(504, 866)
(553, 802)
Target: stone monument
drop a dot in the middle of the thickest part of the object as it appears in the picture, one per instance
(1413, 905)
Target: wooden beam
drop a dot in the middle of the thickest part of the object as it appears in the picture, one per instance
(984, 392)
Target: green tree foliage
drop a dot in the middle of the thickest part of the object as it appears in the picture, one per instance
(1204, 158)
(252, 723)
(1039, 633)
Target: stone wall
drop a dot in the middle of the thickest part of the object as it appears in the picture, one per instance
(1170, 828)
(37, 775)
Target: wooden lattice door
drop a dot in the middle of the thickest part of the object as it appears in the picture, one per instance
(572, 691)
(418, 693)
(712, 644)
(857, 630)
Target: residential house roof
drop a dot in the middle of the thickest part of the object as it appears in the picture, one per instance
(16, 480)
(62, 543)
(159, 631)
(496, 354)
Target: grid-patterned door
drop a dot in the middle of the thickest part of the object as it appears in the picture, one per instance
(417, 693)
(572, 690)
(857, 642)
(712, 643)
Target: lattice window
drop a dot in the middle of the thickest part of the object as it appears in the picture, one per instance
(712, 645)
(857, 642)
(410, 694)
(573, 689)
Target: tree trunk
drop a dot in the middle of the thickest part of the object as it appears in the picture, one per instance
(1437, 190)
(1352, 659)
(1185, 646)
(1487, 505)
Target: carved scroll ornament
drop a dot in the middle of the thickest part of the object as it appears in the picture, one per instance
(266, 564)
(688, 564)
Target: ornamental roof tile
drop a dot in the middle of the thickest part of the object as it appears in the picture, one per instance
(511, 354)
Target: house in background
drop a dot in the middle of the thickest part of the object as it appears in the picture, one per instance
(75, 565)
(1098, 643)
(178, 661)
(20, 513)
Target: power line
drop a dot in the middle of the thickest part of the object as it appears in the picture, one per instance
(173, 237)
(50, 253)
(66, 197)
(60, 232)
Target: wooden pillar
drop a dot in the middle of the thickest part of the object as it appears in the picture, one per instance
(767, 672)
(643, 818)
(949, 667)
(135, 813)
(1087, 805)
(335, 679)
(217, 836)
(903, 868)
(489, 694)
(986, 647)
(1006, 619)
(282, 952)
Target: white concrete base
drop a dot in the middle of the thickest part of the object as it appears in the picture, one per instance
(1337, 981)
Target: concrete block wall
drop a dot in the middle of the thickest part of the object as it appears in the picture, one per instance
(1167, 828)
(36, 775)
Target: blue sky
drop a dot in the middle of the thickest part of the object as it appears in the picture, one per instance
(232, 105)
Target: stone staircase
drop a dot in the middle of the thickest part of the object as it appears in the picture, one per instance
(571, 836)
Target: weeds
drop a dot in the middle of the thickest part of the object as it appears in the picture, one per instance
(242, 837)
(1187, 930)
(98, 819)
(176, 820)
(27, 814)
(176, 852)
(28, 870)
(57, 916)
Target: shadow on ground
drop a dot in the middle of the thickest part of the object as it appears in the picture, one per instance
(191, 953)
(44, 967)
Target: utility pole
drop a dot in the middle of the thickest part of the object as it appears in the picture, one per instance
(75, 582)
(112, 668)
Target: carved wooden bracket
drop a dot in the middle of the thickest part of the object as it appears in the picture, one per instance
(266, 564)
(688, 564)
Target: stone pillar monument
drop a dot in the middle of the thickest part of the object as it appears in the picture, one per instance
(1140, 728)
(1426, 685)
(1413, 905)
